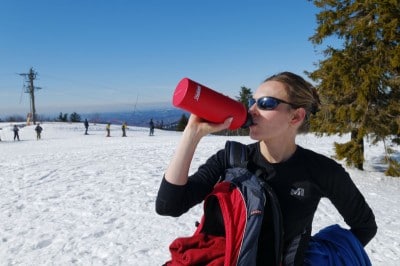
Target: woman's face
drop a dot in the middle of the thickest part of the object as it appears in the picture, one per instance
(271, 124)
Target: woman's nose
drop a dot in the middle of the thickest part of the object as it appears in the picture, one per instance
(252, 108)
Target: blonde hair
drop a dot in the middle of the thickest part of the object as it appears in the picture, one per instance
(301, 95)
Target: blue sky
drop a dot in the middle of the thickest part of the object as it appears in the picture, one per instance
(94, 56)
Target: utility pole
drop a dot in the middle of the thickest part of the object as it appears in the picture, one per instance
(30, 88)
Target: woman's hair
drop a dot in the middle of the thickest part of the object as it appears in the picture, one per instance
(301, 94)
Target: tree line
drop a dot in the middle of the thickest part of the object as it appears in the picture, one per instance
(62, 117)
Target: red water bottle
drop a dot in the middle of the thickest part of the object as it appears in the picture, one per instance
(209, 104)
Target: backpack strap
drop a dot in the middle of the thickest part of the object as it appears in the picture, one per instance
(235, 154)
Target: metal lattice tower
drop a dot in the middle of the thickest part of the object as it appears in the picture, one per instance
(30, 88)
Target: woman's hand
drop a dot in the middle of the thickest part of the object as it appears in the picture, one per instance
(201, 127)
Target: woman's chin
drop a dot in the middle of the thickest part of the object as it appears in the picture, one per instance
(253, 133)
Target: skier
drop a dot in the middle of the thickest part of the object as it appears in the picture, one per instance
(124, 127)
(151, 124)
(108, 128)
(16, 135)
(86, 123)
(38, 130)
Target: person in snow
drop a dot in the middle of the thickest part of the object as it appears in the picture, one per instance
(281, 108)
(38, 130)
(16, 135)
(151, 125)
(86, 123)
(124, 127)
(108, 129)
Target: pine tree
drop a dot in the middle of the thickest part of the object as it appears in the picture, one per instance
(63, 117)
(74, 117)
(182, 123)
(359, 83)
(245, 95)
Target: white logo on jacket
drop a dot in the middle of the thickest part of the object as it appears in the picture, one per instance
(299, 192)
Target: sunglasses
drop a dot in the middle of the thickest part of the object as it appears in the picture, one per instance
(267, 103)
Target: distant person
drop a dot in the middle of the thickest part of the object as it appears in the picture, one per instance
(124, 127)
(86, 123)
(151, 125)
(38, 130)
(16, 135)
(108, 128)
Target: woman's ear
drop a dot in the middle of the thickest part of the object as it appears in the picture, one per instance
(298, 116)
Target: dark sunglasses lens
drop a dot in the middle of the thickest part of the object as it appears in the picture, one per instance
(267, 103)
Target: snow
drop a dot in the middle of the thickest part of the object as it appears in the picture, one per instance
(71, 199)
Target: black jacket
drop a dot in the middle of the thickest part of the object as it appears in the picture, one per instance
(299, 183)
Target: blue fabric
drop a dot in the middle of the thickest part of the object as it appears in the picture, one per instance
(334, 245)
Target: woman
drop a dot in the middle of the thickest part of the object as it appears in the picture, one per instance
(281, 109)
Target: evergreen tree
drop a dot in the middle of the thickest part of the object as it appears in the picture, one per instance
(359, 83)
(74, 117)
(63, 117)
(245, 95)
(182, 123)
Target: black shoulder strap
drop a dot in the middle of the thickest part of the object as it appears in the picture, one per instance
(236, 154)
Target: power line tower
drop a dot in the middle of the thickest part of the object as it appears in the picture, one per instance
(29, 88)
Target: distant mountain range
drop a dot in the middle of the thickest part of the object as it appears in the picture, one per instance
(165, 116)
(161, 115)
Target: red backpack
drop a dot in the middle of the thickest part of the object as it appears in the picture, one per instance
(233, 215)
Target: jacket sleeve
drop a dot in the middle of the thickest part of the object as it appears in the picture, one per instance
(351, 204)
(174, 200)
